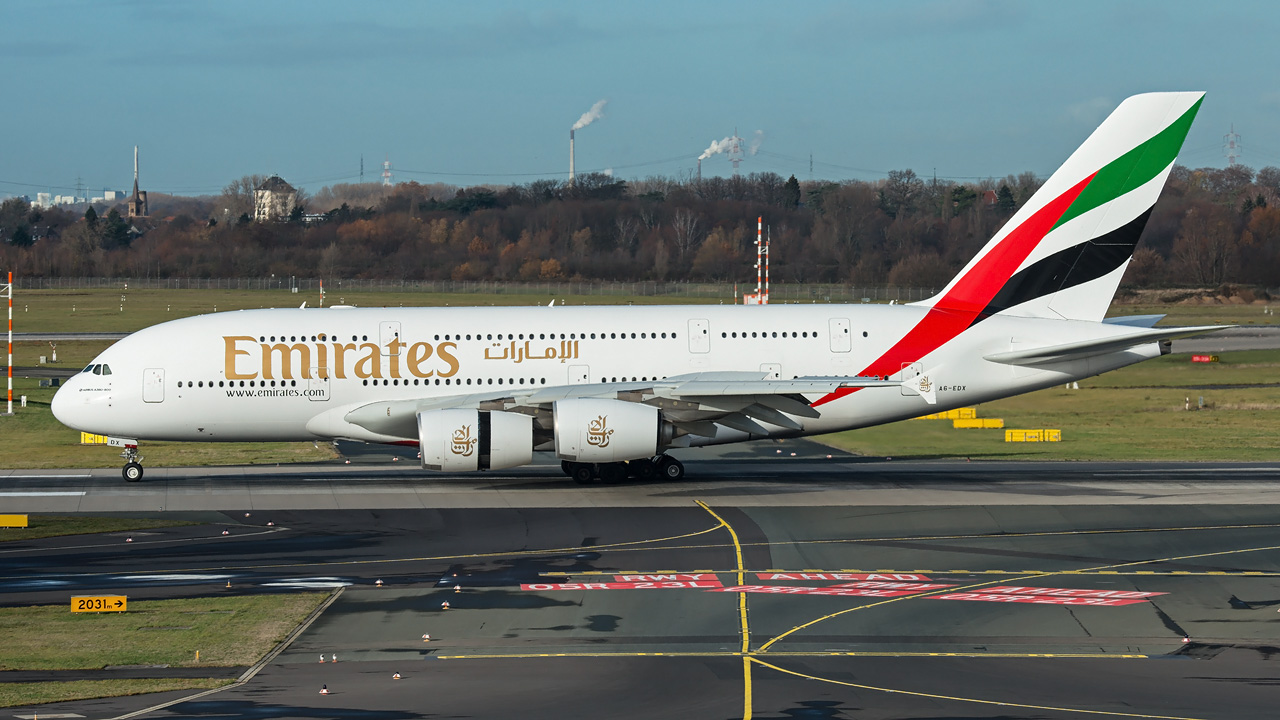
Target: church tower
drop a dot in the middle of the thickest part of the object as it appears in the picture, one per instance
(138, 201)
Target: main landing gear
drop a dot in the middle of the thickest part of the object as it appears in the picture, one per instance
(663, 467)
(133, 464)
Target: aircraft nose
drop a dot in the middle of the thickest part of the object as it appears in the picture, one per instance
(63, 403)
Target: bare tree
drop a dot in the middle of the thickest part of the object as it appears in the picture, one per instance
(237, 197)
(628, 229)
(686, 237)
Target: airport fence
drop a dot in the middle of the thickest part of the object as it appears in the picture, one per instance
(778, 292)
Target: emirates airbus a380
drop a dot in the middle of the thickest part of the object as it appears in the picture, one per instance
(610, 389)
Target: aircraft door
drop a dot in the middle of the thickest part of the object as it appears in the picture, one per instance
(699, 336)
(841, 341)
(153, 385)
(579, 374)
(388, 334)
(774, 370)
(318, 385)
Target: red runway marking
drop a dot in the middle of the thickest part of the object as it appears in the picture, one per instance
(1040, 599)
(695, 584)
(830, 591)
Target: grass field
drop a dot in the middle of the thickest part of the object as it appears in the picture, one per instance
(43, 526)
(229, 632)
(1136, 413)
(18, 694)
(105, 311)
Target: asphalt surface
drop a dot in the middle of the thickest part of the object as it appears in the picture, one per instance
(523, 637)
(1244, 337)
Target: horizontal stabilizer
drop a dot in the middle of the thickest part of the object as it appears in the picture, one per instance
(1134, 320)
(1049, 354)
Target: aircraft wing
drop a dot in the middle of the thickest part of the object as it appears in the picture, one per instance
(696, 403)
(1048, 354)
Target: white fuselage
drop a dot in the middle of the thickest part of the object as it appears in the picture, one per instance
(291, 374)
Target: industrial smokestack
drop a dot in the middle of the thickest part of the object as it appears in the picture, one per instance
(571, 156)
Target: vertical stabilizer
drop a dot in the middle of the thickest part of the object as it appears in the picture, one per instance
(1063, 253)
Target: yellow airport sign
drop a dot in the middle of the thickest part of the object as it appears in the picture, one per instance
(99, 603)
(13, 521)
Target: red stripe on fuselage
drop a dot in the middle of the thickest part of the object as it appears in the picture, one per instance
(957, 310)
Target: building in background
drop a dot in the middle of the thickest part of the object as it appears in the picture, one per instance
(274, 200)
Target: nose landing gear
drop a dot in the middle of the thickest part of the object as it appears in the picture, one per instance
(133, 464)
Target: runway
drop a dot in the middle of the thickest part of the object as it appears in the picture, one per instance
(763, 587)
(786, 473)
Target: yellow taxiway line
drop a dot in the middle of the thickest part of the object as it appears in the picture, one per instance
(954, 698)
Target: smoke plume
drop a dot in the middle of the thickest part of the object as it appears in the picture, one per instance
(756, 140)
(595, 113)
(717, 147)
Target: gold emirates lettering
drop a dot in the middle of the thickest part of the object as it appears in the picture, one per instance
(244, 358)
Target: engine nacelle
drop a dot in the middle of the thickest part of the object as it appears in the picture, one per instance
(468, 440)
(599, 431)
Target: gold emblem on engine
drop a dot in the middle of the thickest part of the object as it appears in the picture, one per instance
(463, 443)
(597, 433)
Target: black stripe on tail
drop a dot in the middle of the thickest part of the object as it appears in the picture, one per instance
(1068, 268)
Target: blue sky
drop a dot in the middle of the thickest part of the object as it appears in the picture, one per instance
(972, 88)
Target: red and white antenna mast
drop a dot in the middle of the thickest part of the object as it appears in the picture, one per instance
(386, 171)
(761, 295)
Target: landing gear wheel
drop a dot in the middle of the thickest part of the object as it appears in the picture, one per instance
(132, 472)
(582, 473)
(670, 468)
(613, 473)
(643, 469)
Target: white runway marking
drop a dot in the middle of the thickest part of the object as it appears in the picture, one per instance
(35, 493)
(41, 477)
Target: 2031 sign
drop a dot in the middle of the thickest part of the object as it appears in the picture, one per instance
(99, 603)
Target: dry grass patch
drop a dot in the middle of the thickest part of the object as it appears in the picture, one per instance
(43, 526)
(19, 694)
(229, 631)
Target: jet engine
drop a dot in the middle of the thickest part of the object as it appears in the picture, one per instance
(602, 431)
(463, 440)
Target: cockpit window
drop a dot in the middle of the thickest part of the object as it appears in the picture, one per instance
(97, 369)
(89, 368)
(106, 369)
